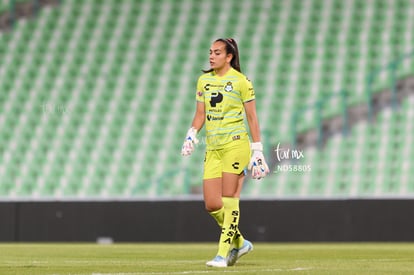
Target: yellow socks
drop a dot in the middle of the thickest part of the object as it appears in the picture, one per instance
(218, 215)
(230, 226)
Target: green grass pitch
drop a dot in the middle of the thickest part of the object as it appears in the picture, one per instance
(190, 258)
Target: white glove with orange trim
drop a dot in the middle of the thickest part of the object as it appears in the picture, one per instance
(257, 164)
(190, 140)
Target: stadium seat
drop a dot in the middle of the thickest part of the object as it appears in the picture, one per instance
(88, 114)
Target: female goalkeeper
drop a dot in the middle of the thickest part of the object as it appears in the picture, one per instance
(223, 96)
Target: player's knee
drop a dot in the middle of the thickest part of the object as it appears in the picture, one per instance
(213, 206)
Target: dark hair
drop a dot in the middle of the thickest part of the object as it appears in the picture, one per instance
(231, 48)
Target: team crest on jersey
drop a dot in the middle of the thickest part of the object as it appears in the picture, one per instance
(228, 87)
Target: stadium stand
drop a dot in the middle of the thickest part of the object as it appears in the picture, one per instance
(3, 6)
(373, 160)
(96, 95)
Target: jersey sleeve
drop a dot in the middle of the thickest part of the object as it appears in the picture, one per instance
(200, 92)
(247, 90)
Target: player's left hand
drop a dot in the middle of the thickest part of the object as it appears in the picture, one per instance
(257, 164)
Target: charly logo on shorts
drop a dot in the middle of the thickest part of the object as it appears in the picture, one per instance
(236, 165)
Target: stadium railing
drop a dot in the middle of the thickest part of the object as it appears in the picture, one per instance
(317, 109)
(391, 69)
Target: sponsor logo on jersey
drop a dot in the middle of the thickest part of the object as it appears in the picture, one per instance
(208, 86)
(251, 91)
(213, 118)
(236, 137)
(216, 98)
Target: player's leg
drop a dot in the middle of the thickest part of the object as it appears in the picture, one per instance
(231, 212)
(228, 212)
(233, 177)
(212, 182)
(238, 238)
(228, 187)
(212, 191)
(216, 205)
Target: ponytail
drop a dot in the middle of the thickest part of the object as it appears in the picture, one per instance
(231, 48)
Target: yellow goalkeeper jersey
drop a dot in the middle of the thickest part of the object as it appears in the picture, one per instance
(223, 98)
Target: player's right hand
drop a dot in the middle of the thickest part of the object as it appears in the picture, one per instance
(190, 140)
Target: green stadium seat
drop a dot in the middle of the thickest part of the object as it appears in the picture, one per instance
(86, 78)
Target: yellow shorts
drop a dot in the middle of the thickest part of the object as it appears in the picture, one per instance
(231, 159)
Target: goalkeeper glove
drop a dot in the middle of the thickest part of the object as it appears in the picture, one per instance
(190, 140)
(257, 164)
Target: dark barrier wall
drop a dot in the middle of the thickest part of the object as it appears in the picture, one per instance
(7, 221)
(159, 221)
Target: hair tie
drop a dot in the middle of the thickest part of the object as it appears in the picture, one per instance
(230, 42)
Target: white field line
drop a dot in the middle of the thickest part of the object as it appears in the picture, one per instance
(213, 270)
